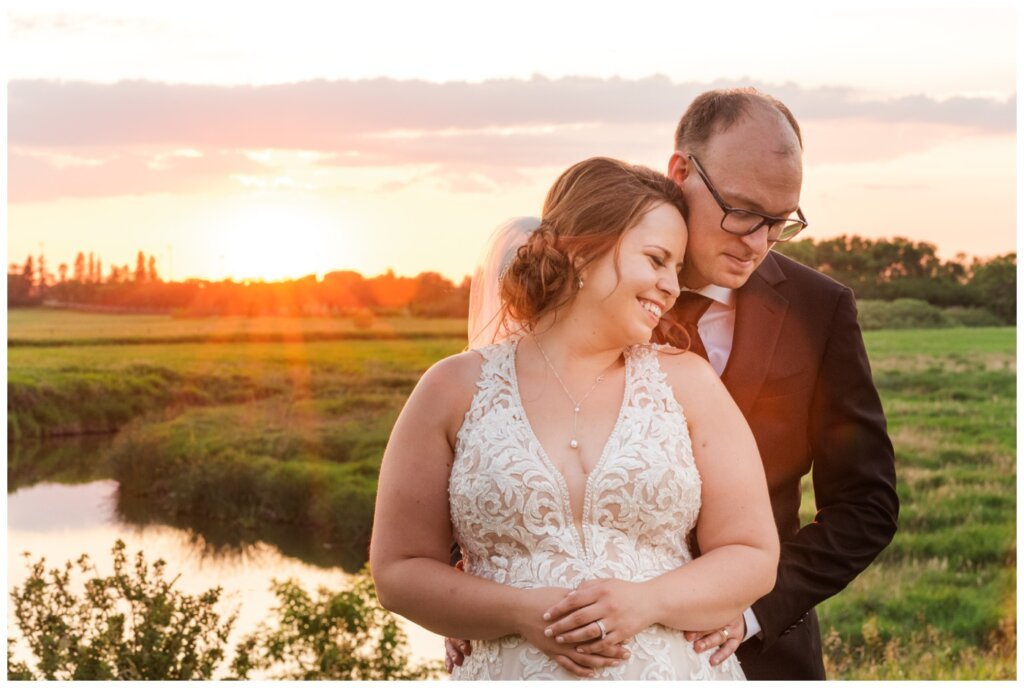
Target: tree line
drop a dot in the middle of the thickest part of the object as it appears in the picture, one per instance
(428, 294)
(898, 268)
(876, 269)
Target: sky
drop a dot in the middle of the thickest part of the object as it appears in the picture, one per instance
(306, 137)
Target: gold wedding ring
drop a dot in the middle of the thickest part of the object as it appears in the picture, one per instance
(604, 631)
(725, 632)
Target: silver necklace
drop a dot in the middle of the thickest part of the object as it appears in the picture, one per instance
(576, 405)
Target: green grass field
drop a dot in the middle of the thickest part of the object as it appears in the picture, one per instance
(36, 325)
(295, 431)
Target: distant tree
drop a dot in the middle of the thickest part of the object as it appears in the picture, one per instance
(436, 296)
(28, 275)
(41, 280)
(79, 271)
(994, 285)
(347, 290)
(390, 291)
(151, 274)
(886, 268)
(20, 283)
(140, 267)
(801, 251)
(91, 275)
(62, 270)
(99, 271)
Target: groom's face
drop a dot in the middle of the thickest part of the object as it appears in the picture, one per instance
(755, 165)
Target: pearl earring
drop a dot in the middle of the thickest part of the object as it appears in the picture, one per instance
(579, 282)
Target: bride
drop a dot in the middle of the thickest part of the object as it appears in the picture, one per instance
(571, 459)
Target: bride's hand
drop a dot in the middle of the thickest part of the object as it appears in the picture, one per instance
(531, 626)
(621, 606)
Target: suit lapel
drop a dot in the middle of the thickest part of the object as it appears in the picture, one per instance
(760, 310)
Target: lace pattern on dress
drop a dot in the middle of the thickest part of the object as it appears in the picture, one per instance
(512, 517)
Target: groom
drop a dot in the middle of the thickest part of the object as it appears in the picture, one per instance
(785, 340)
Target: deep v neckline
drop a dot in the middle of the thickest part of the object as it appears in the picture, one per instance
(579, 532)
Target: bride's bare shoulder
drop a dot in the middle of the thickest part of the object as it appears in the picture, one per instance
(450, 383)
(688, 374)
(458, 370)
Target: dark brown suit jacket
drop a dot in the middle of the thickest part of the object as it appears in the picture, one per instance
(799, 373)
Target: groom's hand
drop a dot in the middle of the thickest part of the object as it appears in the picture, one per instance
(727, 644)
(455, 651)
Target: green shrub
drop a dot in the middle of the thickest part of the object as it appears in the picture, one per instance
(132, 625)
(342, 635)
(900, 314)
(962, 316)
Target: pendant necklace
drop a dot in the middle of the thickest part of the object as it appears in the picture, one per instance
(576, 405)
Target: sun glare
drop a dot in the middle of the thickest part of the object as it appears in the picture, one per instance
(274, 242)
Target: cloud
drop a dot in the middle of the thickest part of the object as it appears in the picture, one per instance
(321, 115)
(20, 23)
(40, 176)
(464, 129)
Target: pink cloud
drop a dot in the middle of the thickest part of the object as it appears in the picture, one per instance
(472, 134)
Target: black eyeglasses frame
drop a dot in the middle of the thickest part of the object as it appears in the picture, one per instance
(769, 220)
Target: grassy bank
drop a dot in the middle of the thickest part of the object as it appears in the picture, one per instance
(308, 463)
(82, 389)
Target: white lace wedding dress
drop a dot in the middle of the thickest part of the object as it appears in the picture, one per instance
(512, 517)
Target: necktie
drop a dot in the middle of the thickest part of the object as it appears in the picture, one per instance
(689, 308)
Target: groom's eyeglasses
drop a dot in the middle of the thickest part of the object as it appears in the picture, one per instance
(743, 222)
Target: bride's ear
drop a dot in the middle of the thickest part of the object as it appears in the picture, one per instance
(577, 271)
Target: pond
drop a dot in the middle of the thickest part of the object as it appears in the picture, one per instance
(61, 503)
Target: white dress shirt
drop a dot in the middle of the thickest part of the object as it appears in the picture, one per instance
(717, 327)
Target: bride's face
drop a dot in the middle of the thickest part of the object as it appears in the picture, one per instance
(629, 305)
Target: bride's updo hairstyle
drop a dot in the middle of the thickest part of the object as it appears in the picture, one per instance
(586, 213)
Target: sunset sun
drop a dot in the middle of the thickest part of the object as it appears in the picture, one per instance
(273, 241)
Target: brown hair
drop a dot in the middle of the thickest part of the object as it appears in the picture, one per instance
(586, 212)
(716, 111)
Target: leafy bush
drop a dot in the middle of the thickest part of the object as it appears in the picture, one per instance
(962, 316)
(900, 314)
(132, 625)
(342, 635)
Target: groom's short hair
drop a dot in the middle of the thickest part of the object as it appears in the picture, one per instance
(717, 110)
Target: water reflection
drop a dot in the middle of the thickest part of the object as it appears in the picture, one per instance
(229, 541)
(62, 503)
(66, 460)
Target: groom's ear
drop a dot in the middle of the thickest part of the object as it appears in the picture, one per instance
(678, 168)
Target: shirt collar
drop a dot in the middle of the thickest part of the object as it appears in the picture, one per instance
(722, 295)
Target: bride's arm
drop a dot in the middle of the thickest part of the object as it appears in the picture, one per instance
(412, 534)
(735, 530)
